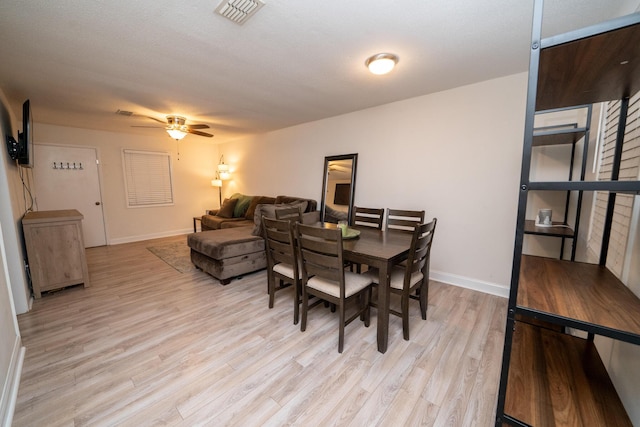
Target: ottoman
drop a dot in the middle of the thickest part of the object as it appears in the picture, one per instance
(228, 252)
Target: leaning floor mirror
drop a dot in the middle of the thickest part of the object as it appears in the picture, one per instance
(338, 187)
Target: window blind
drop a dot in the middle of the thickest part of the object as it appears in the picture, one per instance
(147, 178)
(629, 170)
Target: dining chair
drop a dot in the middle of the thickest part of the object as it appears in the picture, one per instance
(282, 261)
(403, 220)
(292, 213)
(367, 217)
(411, 280)
(323, 276)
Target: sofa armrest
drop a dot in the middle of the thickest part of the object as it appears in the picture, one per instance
(212, 211)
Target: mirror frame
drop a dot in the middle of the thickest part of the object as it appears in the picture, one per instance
(354, 158)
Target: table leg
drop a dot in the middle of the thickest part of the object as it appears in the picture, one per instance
(383, 307)
(194, 225)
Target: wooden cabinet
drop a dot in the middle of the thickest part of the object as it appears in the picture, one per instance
(550, 377)
(55, 249)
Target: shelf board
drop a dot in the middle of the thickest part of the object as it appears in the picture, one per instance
(558, 379)
(584, 67)
(557, 230)
(558, 137)
(632, 187)
(584, 296)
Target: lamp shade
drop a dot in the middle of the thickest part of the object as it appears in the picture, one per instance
(223, 170)
(216, 183)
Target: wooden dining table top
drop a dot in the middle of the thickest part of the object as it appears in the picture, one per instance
(374, 243)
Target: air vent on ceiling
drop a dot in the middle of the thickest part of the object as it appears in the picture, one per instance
(238, 11)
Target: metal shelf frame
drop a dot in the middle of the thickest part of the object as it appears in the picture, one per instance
(577, 51)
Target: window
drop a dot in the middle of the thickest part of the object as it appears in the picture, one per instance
(629, 170)
(147, 177)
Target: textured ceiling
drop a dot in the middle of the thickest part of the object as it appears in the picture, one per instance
(293, 62)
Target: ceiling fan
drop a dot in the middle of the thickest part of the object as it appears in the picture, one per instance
(177, 128)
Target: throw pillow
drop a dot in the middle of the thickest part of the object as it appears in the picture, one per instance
(242, 205)
(269, 211)
(255, 202)
(226, 211)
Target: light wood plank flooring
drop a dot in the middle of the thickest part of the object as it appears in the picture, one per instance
(147, 345)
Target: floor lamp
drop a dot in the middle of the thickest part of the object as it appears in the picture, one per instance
(218, 183)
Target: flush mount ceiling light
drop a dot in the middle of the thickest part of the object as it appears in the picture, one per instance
(176, 127)
(381, 63)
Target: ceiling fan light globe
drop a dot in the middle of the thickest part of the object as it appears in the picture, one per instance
(176, 134)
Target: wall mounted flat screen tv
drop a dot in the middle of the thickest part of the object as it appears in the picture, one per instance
(22, 149)
(341, 196)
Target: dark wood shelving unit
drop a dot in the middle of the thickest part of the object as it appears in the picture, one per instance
(543, 138)
(578, 295)
(550, 377)
(558, 229)
(558, 379)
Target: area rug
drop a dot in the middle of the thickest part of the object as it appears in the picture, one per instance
(175, 254)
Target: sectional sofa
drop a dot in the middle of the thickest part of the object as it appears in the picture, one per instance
(231, 243)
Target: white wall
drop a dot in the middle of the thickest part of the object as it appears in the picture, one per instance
(192, 176)
(12, 278)
(456, 154)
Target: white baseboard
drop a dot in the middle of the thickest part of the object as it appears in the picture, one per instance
(10, 389)
(139, 238)
(466, 282)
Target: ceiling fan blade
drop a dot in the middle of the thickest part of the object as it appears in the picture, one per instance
(164, 122)
(196, 132)
(198, 126)
(140, 126)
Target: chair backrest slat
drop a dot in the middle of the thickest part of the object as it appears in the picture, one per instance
(404, 220)
(320, 251)
(279, 243)
(368, 217)
(420, 251)
(292, 213)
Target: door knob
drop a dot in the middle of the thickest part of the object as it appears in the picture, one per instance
(97, 203)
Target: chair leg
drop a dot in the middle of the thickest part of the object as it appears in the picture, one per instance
(305, 306)
(424, 292)
(404, 308)
(271, 289)
(296, 304)
(341, 333)
(367, 307)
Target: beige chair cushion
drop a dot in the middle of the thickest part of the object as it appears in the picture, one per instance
(353, 283)
(284, 269)
(397, 277)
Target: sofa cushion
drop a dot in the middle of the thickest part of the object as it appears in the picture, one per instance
(255, 202)
(213, 222)
(225, 243)
(312, 205)
(237, 222)
(226, 211)
(243, 204)
(269, 211)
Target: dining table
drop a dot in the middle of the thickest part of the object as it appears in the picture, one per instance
(380, 249)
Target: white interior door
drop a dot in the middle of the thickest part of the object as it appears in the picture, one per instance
(67, 178)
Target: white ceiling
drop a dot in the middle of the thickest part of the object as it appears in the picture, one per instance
(293, 62)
